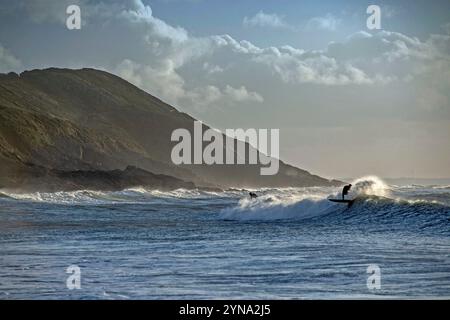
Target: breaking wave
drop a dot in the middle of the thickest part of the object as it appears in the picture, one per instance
(375, 202)
(132, 195)
(303, 205)
(414, 205)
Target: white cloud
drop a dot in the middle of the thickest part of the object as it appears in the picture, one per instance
(143, 13)
(209, 68)
(446, 27)
(363, 59)
(167, 83)
(41, 11)
(8, 62)
(242, 94)
(262, 19)
(165, 57)
(328, 22)
(317, 69)
(388, 11)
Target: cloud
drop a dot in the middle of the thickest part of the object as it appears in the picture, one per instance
(446, 27)
(212, 68)
(166, 82)
(8, 62)
(317, 68)
(42, 11)
(242, 94)
(328, 22)
(363, 59)
(197, 72)
(333, 66)
(388, 11)
(140, 13)
(162, 80)
(262, 19)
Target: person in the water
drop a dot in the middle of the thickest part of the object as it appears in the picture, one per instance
(345, 190)
(252, 195)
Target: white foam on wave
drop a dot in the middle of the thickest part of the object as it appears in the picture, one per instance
(178, 193)
(130, 195)
(371, 186)
(272, 203)
(181, 193)
(270, 207)
(80, 196)
(302, 203)
(441, 187)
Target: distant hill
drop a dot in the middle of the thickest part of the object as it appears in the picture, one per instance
(91, 121)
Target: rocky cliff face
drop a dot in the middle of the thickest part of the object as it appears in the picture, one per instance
(92, 121)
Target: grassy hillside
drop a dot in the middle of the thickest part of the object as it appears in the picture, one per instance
(87, 119)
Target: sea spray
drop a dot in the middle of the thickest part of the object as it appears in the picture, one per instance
(370, 185)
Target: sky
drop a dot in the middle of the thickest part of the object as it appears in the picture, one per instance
(348, 101)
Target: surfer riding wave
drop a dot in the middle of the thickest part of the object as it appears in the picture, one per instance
(345, 190)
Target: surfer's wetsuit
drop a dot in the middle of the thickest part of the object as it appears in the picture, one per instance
(345, 190)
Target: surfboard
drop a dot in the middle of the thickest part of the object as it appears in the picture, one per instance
(341, 200)
(349, 202)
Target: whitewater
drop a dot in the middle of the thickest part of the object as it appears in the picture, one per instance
(289, 243)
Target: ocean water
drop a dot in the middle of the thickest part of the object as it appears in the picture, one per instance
(287, 244)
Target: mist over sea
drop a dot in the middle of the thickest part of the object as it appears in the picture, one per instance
(288, 243)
